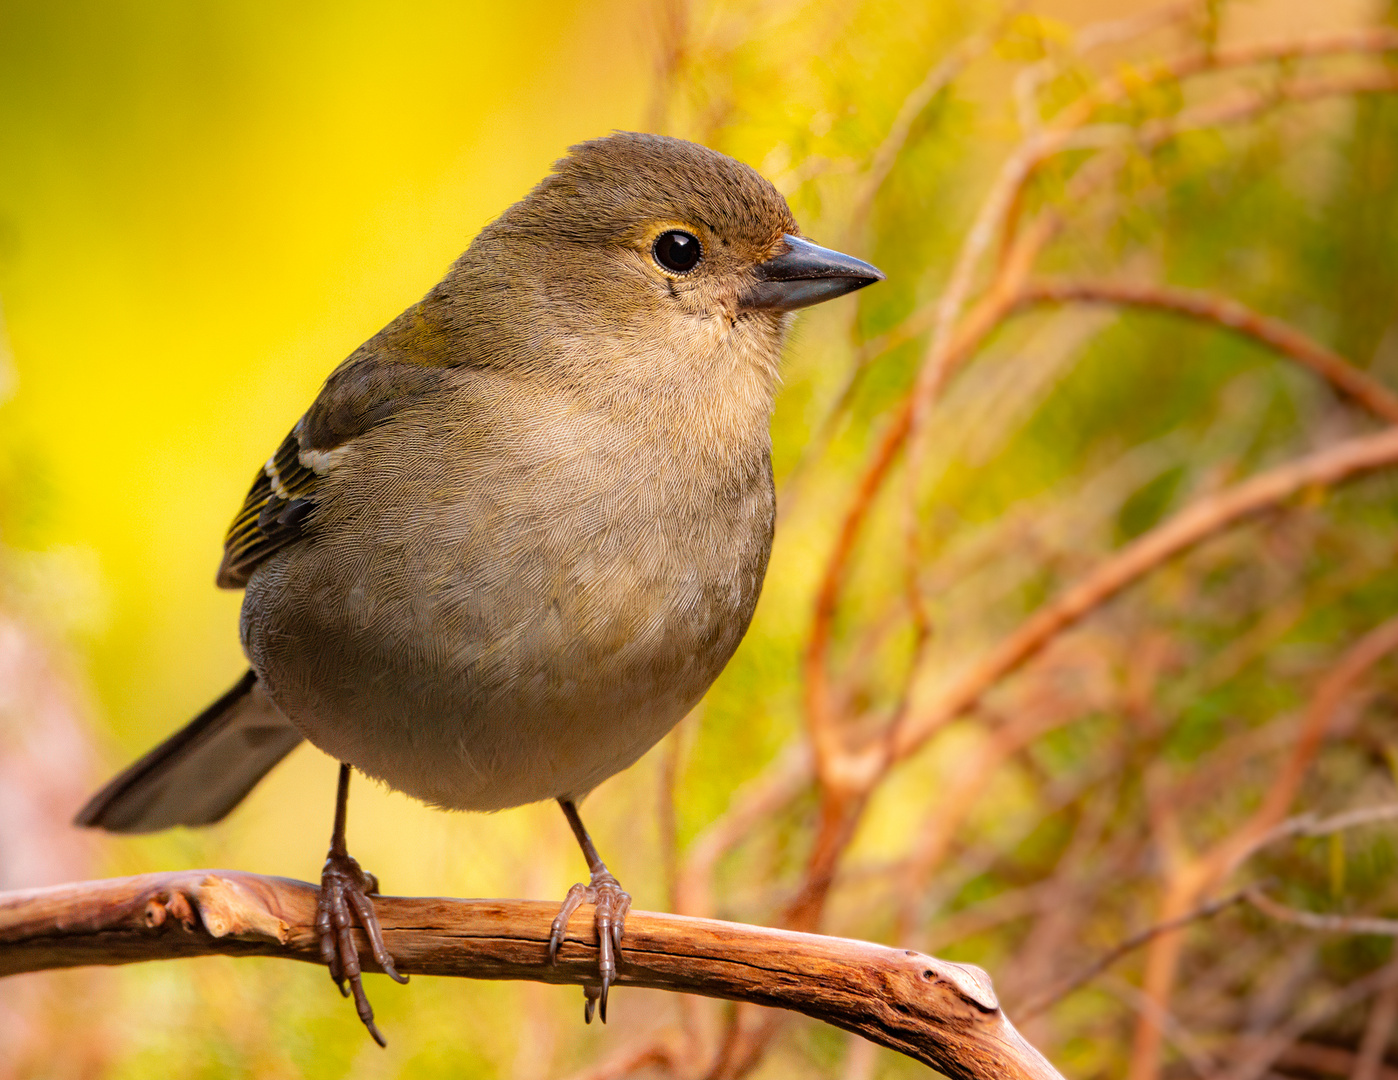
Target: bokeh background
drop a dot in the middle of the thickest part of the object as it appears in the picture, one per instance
(204, 207)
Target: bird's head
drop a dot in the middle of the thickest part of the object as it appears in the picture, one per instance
(663, 247)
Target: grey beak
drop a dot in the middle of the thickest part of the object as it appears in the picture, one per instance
(805, 274)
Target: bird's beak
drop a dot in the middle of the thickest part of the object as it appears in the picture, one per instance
(805, 274)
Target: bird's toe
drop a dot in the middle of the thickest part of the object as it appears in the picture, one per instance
(345, 892)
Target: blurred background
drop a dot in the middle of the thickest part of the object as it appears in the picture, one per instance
(1073, 657)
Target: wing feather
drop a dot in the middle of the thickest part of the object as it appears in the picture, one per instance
(274, 513)
(368, 389)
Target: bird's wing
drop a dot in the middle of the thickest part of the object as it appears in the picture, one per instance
(273, 514)
(366, 390)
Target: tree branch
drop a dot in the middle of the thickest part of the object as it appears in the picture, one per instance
(943, 1014)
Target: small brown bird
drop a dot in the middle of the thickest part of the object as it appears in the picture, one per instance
(522, 528)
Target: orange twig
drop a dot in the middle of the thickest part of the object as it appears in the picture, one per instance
(1197, 522)
(1116, 88)
(1227, 314)
(937, 79)
(1196, 877)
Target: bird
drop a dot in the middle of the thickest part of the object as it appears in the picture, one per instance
(521, 529)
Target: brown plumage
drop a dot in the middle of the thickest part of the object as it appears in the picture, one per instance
(610, 197)
(524, 526)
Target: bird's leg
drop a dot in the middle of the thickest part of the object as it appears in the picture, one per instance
(344, 893)
(612, 904)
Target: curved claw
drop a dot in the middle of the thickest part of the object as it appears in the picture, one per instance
(344, 894)
(611, 903)
(619, 918)
(577, 896)
(369, 919)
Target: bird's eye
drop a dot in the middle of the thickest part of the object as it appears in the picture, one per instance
(677, 251)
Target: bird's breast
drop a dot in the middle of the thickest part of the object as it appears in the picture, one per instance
(521, 605)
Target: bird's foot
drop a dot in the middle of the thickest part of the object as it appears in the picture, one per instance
(344, 893)
(611, 905)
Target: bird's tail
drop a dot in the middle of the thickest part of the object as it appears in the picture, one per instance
(201, 772)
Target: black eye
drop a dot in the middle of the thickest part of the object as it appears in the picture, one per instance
(677, 251)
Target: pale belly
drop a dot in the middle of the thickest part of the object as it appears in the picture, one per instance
(518, 604)
(483, 680)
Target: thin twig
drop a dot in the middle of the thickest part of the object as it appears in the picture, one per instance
(1329, 924)
(1130, 945)
(1310, 825)
(1227, 314)
(1383, 1017)
(786, 777)
(1195, 877)
(1262, 1052)
(1309, 1057)
(1200, 520)
(938, 78)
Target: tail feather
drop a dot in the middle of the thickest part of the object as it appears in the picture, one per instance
(198, 774)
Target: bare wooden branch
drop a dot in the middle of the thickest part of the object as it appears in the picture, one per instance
(943, 1014)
